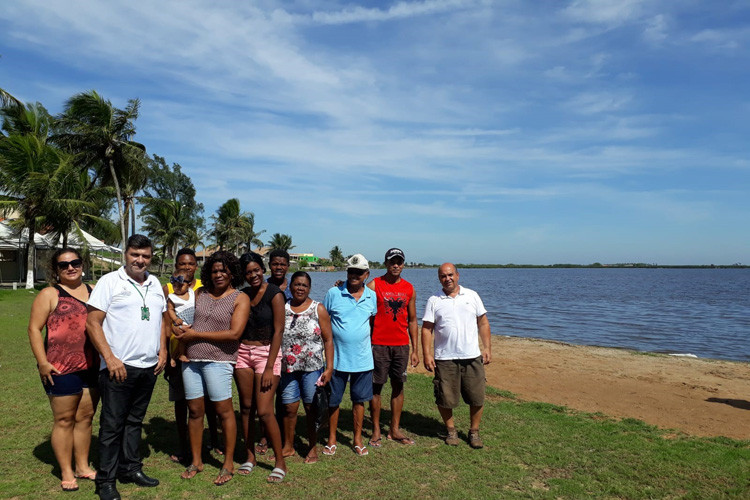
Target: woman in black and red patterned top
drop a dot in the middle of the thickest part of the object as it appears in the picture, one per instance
(67, 363)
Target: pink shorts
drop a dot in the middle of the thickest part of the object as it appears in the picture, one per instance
(255, 357)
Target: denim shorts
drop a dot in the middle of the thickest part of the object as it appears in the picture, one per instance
(70, 384)
(298, 385)
(207, 377)
(360, 387)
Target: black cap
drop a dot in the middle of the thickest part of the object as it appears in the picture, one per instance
(394, 252)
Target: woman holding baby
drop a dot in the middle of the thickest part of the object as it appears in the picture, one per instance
(211, 345)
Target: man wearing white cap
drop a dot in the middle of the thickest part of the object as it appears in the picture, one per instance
(352, 307)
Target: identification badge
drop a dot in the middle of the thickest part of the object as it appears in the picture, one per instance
(145, 314)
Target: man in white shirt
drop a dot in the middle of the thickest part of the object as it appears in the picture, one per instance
(458, 318)
(125, 325)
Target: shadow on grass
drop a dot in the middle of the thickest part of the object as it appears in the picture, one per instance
(45, 454)
(736, 403)
(161, 436)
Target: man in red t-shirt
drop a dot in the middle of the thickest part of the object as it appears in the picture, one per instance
(394, 327)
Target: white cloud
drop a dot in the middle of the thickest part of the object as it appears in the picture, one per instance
(399, 11)
(610, 12)
(598, 102)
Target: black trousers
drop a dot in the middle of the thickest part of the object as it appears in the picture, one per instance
(123, 408)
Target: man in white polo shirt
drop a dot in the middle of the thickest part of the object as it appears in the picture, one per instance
(126, 309)
(458, 318)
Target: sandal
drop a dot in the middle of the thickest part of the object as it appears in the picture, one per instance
(245, 468)
(261, 448)
(69, 485)
(376, 443)
(361, 450)
(276, 476)
(329, 450)
(191, 471)
(402, 440)
(224, 473)
(91, 476)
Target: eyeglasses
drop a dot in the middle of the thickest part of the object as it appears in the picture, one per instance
(63, 264)
(177, 280)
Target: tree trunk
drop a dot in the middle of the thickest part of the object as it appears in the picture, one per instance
(126, 215)
(119, 207)
(132, 218)
(30, 256)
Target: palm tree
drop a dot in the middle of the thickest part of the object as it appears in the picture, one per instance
(30, 170)
(280, 242)
(168, 224)
(252, 237)
(75, 202)
(101, 135)
(231, 225)
(337, 256)
(7, 100)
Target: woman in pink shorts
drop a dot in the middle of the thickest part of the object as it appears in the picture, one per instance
(258, 368)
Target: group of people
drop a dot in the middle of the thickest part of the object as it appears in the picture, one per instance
(268, 335)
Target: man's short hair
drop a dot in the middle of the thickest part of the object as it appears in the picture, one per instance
(278, 253)
(185, 251)
(139, 241)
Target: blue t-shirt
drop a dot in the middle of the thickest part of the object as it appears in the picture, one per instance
(350, 324)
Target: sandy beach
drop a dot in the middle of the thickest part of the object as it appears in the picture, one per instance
(698, 396)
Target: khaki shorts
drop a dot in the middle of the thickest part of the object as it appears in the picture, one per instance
(459, 378)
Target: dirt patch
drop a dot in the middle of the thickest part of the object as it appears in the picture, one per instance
(697, 396)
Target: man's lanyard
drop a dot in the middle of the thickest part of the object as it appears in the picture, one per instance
(145, 313)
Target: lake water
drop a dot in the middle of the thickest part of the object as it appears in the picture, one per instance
(705, 312)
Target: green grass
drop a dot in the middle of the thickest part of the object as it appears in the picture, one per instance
(532, 450)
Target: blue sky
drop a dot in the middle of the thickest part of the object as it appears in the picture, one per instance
(469, 131)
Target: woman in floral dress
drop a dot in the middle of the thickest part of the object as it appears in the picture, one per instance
(306, 361)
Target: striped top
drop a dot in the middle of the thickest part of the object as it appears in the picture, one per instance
(213, 315)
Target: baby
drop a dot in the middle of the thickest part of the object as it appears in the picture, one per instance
(181, 310)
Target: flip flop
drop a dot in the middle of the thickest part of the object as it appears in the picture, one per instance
(261, 448)
(401, 440)
(245, 468)
(91, 476)
(376, 443)
(311, 460)
(329, 450)
(276, 476)
(361, 450)
(69, 485)
(191, 472)
(224, 472)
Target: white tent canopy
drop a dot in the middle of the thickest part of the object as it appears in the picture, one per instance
(12, 239)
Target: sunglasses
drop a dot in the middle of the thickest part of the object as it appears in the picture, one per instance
(63, 264)
(177, 280)
(294, 320)
(356, 272)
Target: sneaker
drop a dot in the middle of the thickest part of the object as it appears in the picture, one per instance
(474, 440)
(452, 437)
